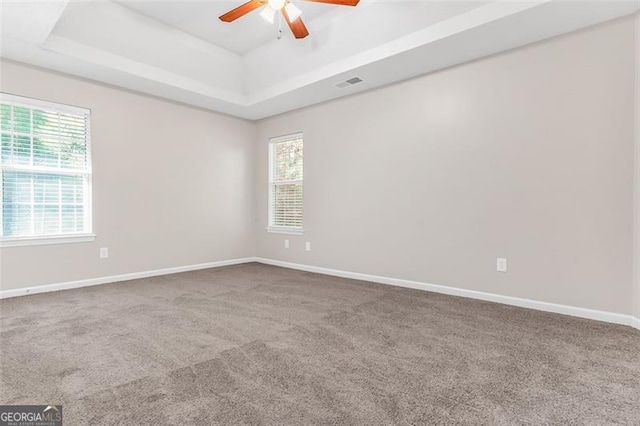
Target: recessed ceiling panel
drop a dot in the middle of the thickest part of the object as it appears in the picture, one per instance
(200, 19)
(146, 41)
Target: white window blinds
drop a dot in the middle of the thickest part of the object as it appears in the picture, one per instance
(45, 168)
(286, 182)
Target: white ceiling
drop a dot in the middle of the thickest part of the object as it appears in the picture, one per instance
(200, 19)
(181, 51)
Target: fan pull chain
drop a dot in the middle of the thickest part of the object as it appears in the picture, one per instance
(279, 26)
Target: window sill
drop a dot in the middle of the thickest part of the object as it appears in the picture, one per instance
(287, 231)
(44, 240)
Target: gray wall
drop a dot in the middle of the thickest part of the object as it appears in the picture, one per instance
(526, 155)
(637, 177)
(172, 185)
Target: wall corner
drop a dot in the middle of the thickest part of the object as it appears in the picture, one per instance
(636, 184)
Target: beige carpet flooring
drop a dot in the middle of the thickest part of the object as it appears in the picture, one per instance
(255, 344)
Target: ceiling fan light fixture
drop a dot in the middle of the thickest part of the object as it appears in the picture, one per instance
(277, 4)
(268, 14)
(292, 11)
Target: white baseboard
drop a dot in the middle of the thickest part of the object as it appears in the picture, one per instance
(610, 317)
(116, 278)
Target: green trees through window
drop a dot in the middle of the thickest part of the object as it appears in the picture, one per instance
(286, 204)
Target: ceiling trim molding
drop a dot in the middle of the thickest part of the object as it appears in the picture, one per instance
(92, 55)
(152, 57)
(464, 22)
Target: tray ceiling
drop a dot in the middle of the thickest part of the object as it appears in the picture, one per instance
(181, 51)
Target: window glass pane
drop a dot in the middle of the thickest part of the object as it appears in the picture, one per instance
(16, 187)
(45, 152)
(43, 168)
(5, 117)
(73, 154)
(38, 219)
(79, 218)
(21, 153)
(67, 189)
(287, 205)
(288, 160)
(52, 199)
(13, 224)
(51, 219)
(287, 196)
(46, 124)
(47, 188)
(69, 221)
(21, 120)
(6, 147)
(54, 140)
(72, 127)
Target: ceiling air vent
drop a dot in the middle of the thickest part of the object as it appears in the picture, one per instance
(350, 82)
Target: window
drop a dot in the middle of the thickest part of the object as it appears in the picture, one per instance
(45, 172)
(285, 184)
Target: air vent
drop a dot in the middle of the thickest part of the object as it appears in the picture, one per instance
(350, 82)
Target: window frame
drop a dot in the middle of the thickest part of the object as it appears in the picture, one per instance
(68, 237)
(277, 229)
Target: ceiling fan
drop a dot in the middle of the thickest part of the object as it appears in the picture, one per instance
(288, 10)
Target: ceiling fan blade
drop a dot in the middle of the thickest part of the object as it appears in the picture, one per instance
(242, 10)
(298, 28)
(338, 2)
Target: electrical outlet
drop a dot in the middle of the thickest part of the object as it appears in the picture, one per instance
(104, 252)
(307, 246)
(501, 264)
(286, 244)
